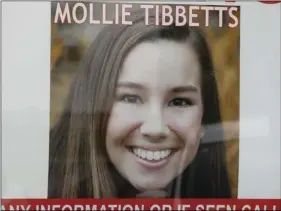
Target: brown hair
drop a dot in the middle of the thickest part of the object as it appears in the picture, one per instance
(78, 162)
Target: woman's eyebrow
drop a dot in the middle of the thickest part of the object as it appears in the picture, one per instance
(180, 89)
(130, 85)
(177, 89)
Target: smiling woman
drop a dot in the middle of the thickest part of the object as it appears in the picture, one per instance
(135, 117)
(154, 144)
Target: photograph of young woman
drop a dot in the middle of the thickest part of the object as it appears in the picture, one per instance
(135, 120)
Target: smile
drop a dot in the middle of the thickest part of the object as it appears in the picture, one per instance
(149, 155)
(152, 159)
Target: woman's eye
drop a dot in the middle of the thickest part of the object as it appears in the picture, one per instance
(180, 102)
(130, 99)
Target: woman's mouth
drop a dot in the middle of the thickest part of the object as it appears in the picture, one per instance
(155, 155)
(152, 159)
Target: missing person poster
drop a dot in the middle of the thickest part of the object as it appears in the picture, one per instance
(141, 100)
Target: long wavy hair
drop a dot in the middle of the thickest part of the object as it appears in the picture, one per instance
(79, 166)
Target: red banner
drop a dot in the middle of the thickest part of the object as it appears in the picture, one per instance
(141, 204)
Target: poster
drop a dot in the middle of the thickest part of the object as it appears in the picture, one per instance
(216, 115)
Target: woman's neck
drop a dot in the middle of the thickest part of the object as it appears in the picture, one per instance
(126, 190)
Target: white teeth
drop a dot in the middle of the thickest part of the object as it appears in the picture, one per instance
(149, 155)
(156, 155)
(152, 155)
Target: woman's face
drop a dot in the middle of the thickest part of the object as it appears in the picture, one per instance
(155, 125)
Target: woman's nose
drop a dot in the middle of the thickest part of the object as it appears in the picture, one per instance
(154, 127)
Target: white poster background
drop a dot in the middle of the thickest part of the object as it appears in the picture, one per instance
(26, 98)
